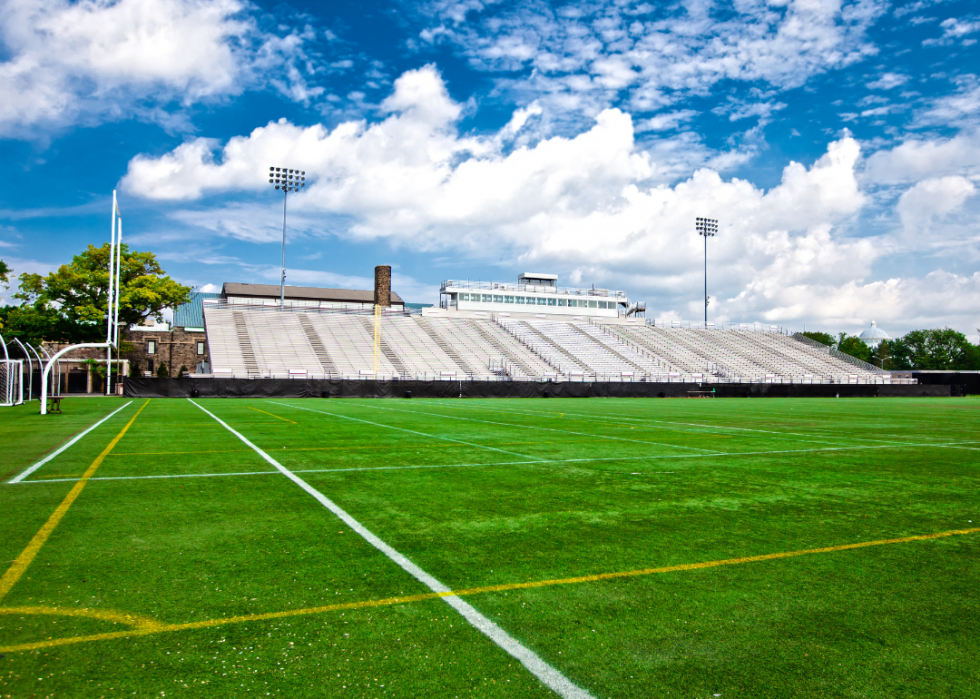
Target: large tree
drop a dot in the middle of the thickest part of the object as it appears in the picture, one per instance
(71, 304)
(934, 349)
(854, 346)
(4, 274)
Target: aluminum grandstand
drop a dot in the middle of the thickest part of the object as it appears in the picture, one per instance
(490, 331)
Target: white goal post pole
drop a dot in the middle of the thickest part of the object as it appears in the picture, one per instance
(47, 369)
(110, 293)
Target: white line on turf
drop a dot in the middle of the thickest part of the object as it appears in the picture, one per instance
(624, 418)
(537, 462)
(549, 676)
(31, 469)
(538, 427)
(403, 429)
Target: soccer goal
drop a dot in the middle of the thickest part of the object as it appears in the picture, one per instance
(11, 382)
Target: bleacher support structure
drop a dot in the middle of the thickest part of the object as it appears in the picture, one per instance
(306, 343)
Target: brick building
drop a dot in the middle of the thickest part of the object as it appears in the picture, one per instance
(183, 343)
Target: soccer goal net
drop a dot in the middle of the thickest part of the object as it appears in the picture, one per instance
(11, 382)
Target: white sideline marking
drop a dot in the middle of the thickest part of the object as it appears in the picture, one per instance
(498, 463)
(548, 675)
(663, 422)
(402, 429)
(46, 459)
(536, 427)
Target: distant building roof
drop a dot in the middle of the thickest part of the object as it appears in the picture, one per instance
(305, 293)
(191, 314)
(874, 333)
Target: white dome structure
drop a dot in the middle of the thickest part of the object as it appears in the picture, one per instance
(873, 336)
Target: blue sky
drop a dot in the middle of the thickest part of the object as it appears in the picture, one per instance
(838, 143)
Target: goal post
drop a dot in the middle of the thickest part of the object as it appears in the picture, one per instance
(11, 382)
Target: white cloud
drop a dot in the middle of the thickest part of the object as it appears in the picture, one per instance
(955, 29)
(586, 206)
(583, 59)
(888, 81)
(921, 158)
(95, 60)
(931, 200)
(665, 122)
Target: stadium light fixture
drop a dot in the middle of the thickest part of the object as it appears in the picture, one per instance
(706, 227)
(286, 180)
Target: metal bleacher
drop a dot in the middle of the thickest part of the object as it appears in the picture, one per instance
(313, 343)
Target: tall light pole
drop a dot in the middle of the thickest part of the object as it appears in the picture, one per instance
(288, 181)
(706, 227)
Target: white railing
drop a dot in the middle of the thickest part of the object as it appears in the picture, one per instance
(451, 285)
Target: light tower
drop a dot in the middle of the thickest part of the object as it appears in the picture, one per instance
(706, 227)
(288, 181)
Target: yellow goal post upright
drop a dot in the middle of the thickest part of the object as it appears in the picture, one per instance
(382, 300)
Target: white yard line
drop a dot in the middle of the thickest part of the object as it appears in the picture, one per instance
(536, 462)
(31, 469)
(549, 676)
(403, 429)
(661, 422)
(808, 437)
(548, 429)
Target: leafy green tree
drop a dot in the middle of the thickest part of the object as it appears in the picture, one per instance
(824, 338)
(72, 303)
(34, 323)
(854, 346)
(934, 349)
(4, 274)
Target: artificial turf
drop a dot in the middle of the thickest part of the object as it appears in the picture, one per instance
(497, 492)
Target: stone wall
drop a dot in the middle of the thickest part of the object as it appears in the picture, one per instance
(174, 348)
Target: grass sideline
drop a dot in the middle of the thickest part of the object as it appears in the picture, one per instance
(495, 498)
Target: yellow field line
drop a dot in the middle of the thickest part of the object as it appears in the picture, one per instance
(163, 628)
(139, 622)
(271, 415)
(22, 561)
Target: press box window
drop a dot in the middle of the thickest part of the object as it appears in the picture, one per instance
(551, 302)
(151, 347)
(508, 299)
(498, 299)
(542, 302)
(200, 348)
(464, 297)
(519, 299)
(592, 304)
(487, 298)
(562, 302)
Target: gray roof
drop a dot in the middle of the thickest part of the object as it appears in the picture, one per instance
(304, 293)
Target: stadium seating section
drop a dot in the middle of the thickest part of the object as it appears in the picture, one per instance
(250, 342)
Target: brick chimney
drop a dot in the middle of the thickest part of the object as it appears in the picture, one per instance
(382, 286)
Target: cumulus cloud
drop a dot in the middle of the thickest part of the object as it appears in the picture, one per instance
(931, 200)
(95, 60)
(585, 205)
(921, 158)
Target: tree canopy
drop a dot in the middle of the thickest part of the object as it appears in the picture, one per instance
(71, 304)
(824, 338)
(933, 349)
(4, 274)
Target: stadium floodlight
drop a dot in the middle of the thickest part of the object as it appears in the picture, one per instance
(706, 227)
(286, 180)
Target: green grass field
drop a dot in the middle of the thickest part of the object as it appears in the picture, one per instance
(161, 555)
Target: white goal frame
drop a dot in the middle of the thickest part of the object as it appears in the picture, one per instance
(11, 382)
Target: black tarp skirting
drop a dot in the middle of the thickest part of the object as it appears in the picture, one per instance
(354, 388)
